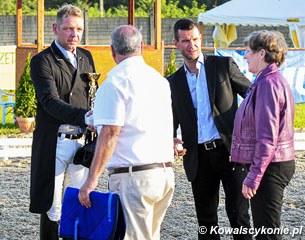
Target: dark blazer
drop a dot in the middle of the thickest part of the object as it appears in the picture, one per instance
(62, 98)
(224, 81)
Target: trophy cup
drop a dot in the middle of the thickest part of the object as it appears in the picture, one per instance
(93, 84)
(85, 154)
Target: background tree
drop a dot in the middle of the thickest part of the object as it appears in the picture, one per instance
(117, 8)
(8, 7)
(214, 3)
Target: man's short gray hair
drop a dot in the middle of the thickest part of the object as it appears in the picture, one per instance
(126, 39)
(68, 10)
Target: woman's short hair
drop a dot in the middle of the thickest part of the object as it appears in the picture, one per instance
(273, 42)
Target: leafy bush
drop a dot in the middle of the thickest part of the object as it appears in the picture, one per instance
(25, 94)
(171, 66)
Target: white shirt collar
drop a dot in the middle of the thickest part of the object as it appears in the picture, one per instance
(199, 63)
(65, 52)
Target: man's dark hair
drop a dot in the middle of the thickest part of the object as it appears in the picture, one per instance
(183, 24)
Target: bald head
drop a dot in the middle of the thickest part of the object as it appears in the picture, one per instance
(126, 40)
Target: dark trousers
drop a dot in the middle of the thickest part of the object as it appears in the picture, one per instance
(48, 228)
(214, 167)
(266, 205)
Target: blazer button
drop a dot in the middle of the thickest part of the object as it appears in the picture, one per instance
(71, 94)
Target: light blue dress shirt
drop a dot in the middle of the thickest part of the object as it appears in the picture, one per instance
(207, 130)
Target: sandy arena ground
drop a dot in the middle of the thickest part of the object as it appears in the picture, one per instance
(16, 223)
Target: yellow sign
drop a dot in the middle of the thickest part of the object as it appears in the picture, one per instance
(7, 67)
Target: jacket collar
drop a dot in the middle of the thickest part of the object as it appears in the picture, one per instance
(61, 60)
(271, 68)
(67, 54)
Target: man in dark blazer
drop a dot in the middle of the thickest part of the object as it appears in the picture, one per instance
(204, 101)
(62, 93)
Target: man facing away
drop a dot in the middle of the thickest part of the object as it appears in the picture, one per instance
(133, 117)
(62, 93)
(204, 100)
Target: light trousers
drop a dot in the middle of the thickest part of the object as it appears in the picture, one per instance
(145, 197)
(66, 173)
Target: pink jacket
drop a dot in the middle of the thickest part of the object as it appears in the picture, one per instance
(263, 127)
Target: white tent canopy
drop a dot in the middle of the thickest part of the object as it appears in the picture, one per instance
(259, 13)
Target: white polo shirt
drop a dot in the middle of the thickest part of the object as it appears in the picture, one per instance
(137, 98)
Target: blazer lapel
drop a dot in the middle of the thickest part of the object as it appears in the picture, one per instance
(81, 64)
(63, 63)
(184, 94)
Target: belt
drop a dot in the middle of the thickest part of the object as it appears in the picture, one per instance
(211, 144)
(70, 129)
(70, 136)
(139, 167)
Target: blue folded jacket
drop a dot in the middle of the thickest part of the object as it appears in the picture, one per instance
(103, 220)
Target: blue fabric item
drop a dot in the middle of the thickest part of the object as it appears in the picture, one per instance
(104, 220)
(76, 228)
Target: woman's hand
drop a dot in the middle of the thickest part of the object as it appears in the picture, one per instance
(248, 192)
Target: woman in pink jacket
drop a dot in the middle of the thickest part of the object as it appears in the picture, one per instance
(263, 132)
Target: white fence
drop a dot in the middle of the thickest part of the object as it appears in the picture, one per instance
(21, 147)
(15, 147)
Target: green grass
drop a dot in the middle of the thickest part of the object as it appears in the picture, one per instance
(11, 128)
(299, 117)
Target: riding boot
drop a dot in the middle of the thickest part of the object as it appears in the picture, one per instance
(48, 228)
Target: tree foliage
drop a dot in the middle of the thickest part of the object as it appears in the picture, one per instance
(8, 7)
(169, 9)
(117, 8)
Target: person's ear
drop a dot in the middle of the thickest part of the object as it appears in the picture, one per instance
(55, 28)
(262, 53)
(113, 52)
(175, 42)
(142, 47)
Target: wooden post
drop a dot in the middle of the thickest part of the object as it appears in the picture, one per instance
(157, 15)
(86, 23)
(40, 25)
(131, 10)
(19, 23)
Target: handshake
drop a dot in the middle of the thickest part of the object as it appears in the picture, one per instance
(89, 119)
